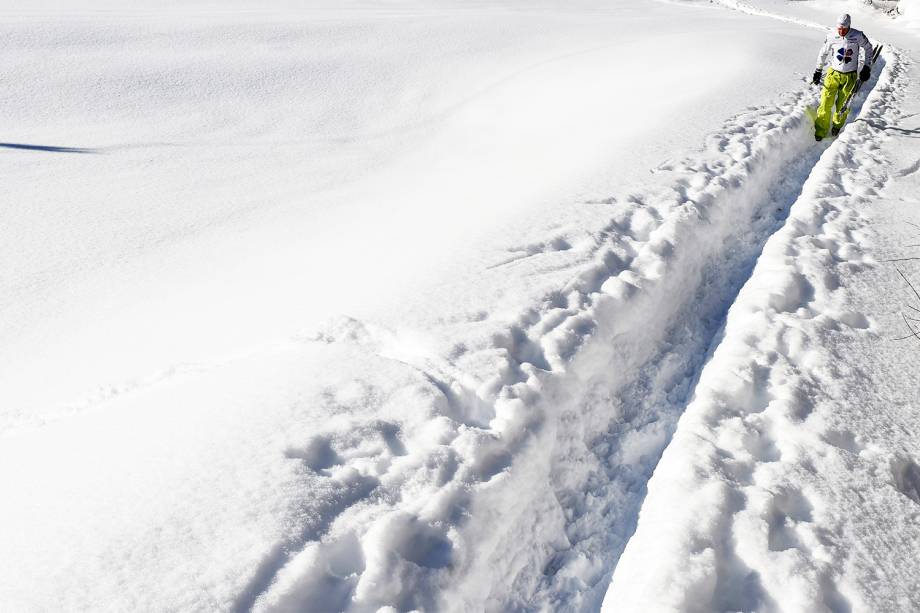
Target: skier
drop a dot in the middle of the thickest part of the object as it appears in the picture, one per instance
(841, 75)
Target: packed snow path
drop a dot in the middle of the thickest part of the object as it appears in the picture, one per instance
(499, 460)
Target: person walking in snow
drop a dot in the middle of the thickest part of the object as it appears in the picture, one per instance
(840, 81)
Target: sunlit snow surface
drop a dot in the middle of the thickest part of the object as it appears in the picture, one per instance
(313, 307)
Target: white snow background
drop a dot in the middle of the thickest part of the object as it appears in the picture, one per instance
(338, 306)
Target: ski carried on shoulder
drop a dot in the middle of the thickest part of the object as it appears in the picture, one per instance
(849, 101)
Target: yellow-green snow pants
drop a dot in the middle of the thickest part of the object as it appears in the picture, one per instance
(837, 86)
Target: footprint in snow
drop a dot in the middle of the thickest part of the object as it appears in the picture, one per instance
(317, 454)
(786, 511)
(844, 440)
(906, 476)
(909, 170)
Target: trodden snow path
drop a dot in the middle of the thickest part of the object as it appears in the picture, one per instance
(792, 480)
(526, 481)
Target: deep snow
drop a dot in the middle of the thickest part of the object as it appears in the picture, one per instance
(328, 307)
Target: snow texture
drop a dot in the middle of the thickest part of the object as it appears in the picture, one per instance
(405, 306)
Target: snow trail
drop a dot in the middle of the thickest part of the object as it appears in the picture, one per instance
(549, 455)
(750, 506)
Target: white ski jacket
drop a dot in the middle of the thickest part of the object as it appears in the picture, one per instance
(844, 51)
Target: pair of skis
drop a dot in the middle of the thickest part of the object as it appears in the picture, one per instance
(849, 101)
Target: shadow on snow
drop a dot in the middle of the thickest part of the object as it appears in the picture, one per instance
(47, 148)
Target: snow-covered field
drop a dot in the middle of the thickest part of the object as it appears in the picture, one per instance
(337, 306)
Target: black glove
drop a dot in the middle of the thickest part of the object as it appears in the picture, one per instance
(865, 73)
(816, 78)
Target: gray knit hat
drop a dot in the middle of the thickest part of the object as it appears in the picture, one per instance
(844, 20)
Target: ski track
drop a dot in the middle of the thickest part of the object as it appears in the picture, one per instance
(758, 527)
(518, 484)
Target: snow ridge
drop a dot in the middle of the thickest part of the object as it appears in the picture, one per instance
(519, 480)
(740, 514)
